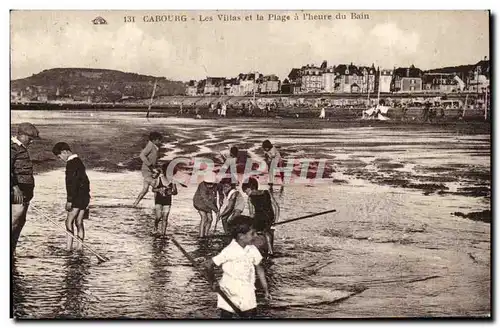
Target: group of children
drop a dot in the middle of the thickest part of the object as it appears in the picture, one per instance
(221, 198)
(240, 260)
(262, 206)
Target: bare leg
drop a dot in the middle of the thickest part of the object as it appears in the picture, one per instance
(80, 229)
(208, 223)
(166, 212)
(268, 236)
(158, 210)
(203, 217)
(69, 227)
(144, 191)
(224, 224)
(18, 220)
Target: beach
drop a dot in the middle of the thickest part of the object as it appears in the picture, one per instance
(411, 236)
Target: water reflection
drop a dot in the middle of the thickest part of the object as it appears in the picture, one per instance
(272, 282)
(19, 291)
(205, 248)
(75, 295)
(160, 278)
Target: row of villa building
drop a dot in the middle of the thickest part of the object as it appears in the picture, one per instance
(242, 85)
(349, 78)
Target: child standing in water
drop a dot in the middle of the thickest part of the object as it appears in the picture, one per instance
(230, 162)
(233, 204)
(149, 156)
(272, 155)
(205, 202)
(164, 188)
(240, 262)
(263, 208)
(232, 157)
(78, 192)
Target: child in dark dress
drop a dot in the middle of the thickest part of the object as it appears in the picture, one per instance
(263, 208)
(205, 202)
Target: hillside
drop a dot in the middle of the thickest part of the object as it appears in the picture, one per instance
(465, 70)
(452, 69)
(96, 84)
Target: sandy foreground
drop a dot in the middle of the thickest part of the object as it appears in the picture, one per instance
(397, 240)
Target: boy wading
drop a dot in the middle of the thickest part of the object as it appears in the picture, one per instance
(77, 189)
(272, 155)
(149, 156)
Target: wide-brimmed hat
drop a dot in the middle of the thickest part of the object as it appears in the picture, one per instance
(29, 130)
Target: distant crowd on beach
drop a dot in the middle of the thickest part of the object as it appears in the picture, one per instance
(224, 106)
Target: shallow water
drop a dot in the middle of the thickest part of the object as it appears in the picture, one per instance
(406, 250)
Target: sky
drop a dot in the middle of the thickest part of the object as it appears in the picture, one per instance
(194, 49)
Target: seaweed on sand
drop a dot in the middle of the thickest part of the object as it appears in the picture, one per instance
(483, 216)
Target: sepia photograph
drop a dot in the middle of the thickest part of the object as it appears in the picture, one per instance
(250, 164)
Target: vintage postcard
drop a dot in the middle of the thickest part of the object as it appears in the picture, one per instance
(253, 164)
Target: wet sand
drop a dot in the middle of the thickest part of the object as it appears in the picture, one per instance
(396, 235)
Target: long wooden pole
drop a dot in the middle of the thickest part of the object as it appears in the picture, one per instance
(378, 96)
(485, 105)
(288, 221)
(368, 100)
(218, 289)
(151, 100)
(304, 217)
(255, 85)
(100, 257)
(465, 106)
